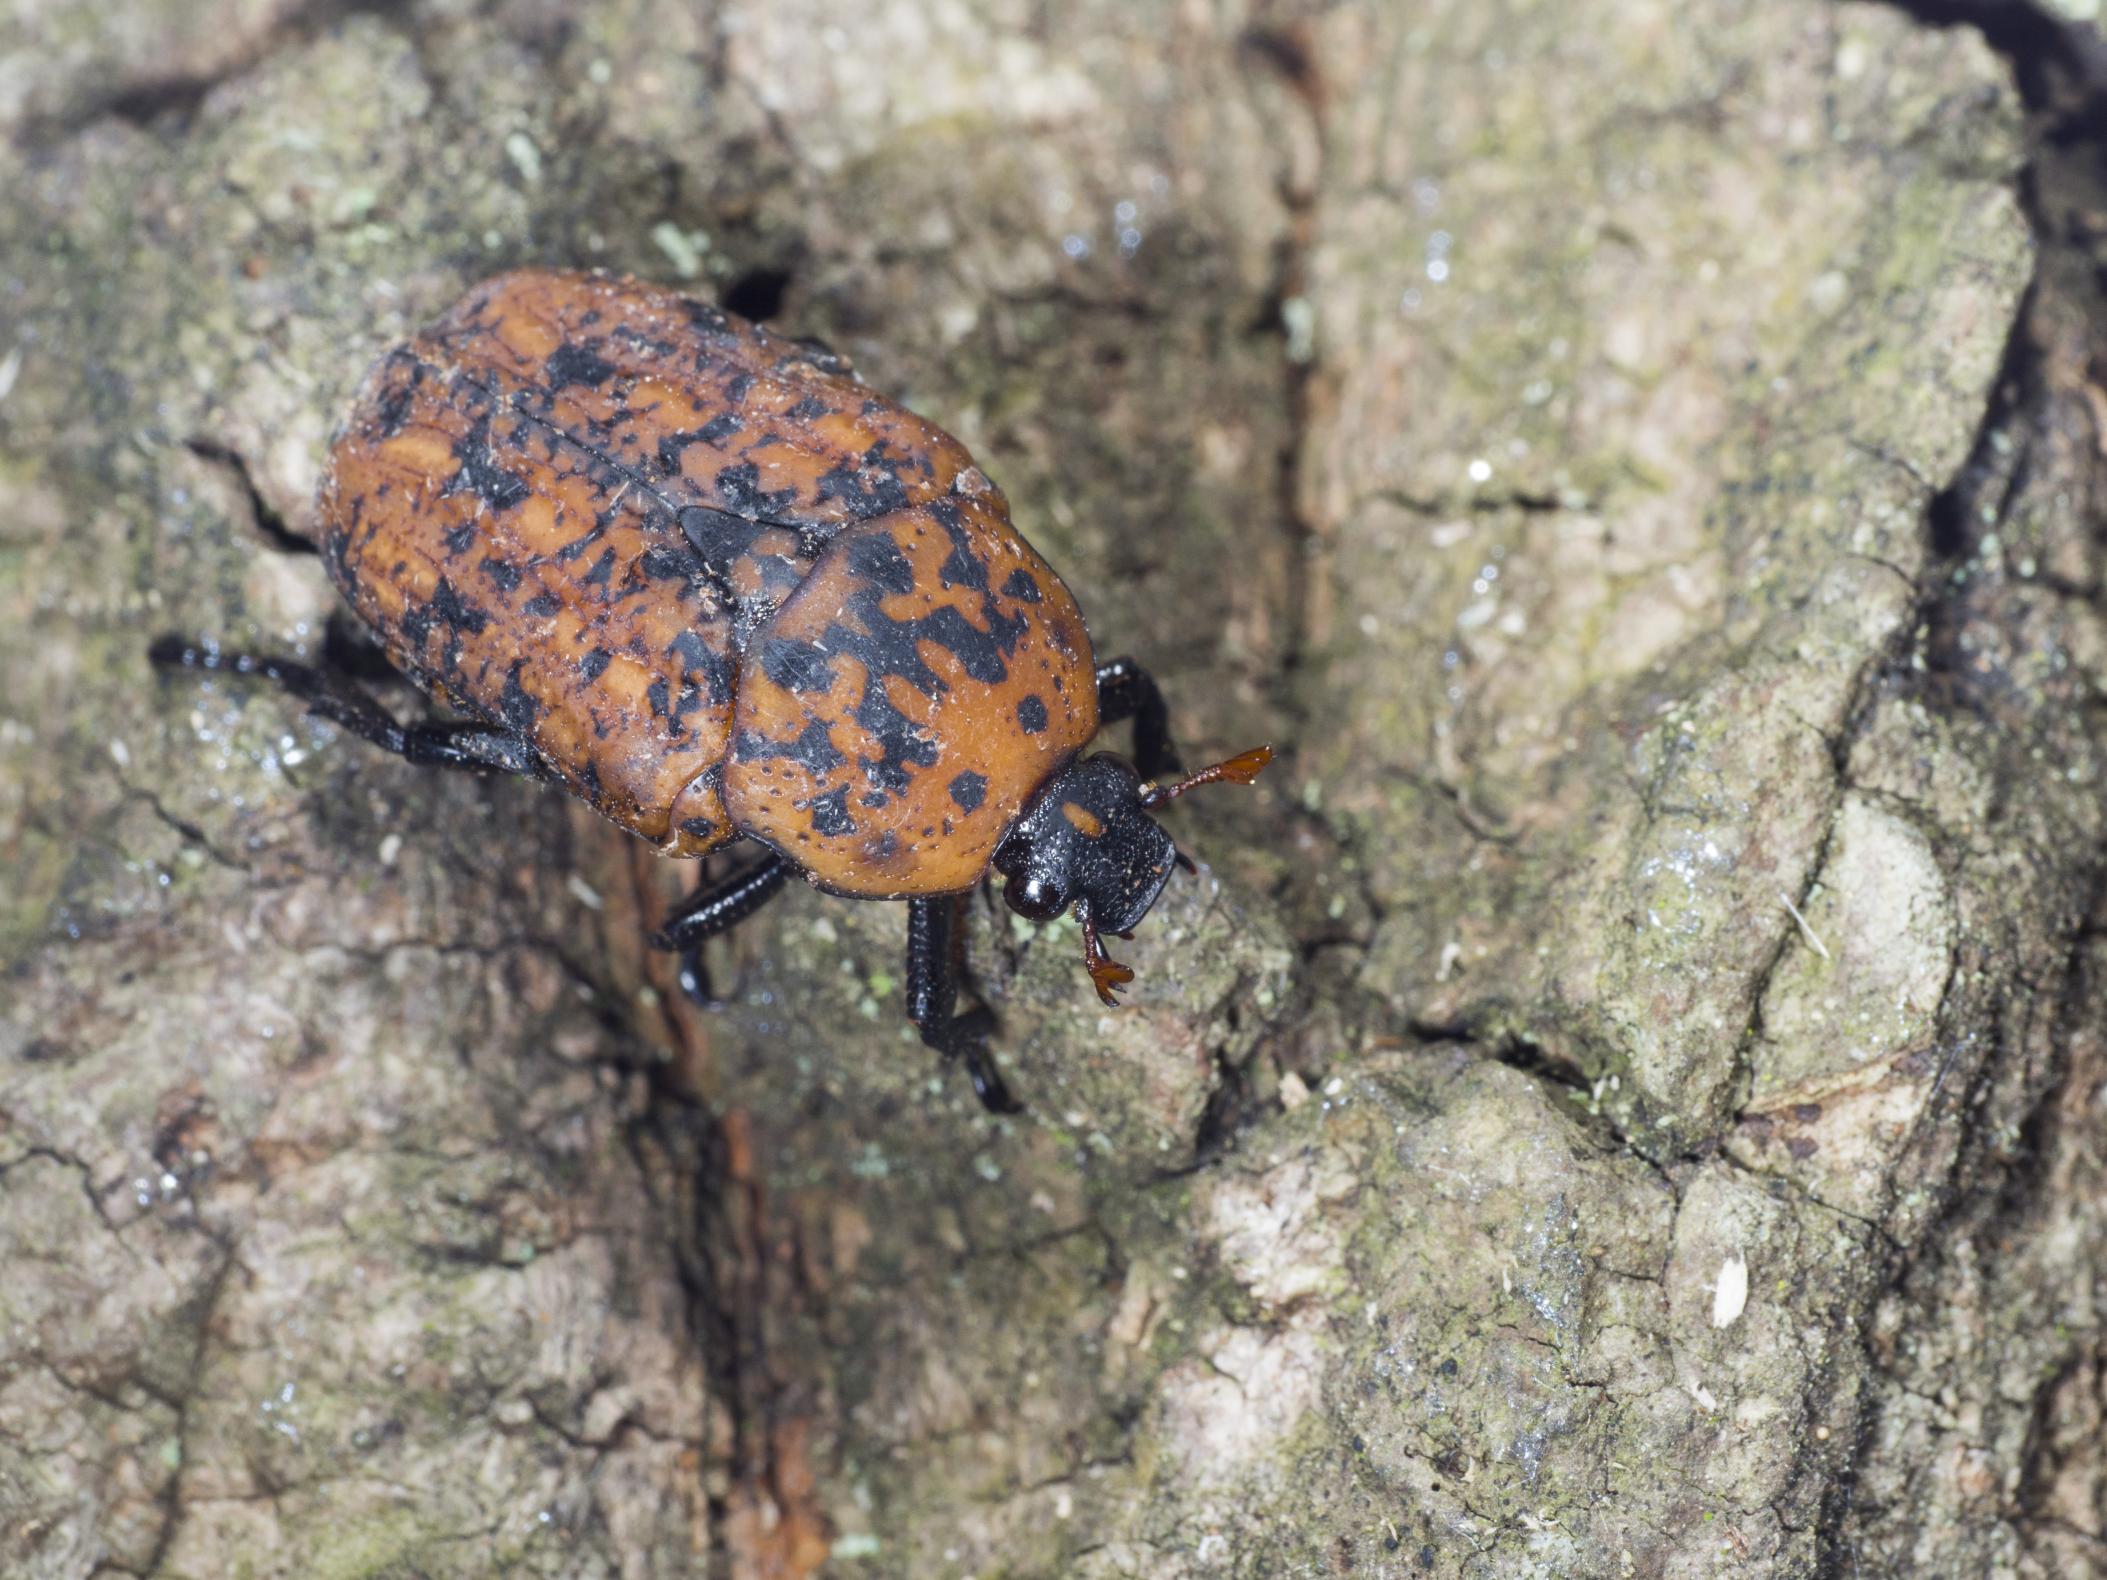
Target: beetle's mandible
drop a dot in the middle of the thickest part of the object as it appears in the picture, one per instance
(707, 581)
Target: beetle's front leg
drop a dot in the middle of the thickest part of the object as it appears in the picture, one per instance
(935, 961)
(1127, 691)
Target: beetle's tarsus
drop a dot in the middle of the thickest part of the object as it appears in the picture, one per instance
(987, 1081)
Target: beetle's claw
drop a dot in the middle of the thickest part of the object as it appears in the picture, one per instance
(988, 1085)
(1108, 976)
(695, 984)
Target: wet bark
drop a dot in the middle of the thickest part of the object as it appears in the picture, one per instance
(1622, 1097)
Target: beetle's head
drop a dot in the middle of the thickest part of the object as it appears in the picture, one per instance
(1086, 840)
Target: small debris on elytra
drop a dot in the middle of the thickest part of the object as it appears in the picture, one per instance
(585, 894)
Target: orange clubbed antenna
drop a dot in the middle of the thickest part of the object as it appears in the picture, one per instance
(1238, 770)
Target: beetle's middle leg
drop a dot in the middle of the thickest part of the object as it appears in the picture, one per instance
(713, 908)
(468, 745)
(936, 946)
(1127, 691)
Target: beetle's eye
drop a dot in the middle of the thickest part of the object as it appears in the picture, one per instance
(1034, 898)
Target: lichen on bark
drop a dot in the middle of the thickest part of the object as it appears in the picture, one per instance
(1620, 1099)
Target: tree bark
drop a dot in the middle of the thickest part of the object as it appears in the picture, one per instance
(1621, 1098)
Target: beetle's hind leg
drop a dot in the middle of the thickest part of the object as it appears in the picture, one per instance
(478, 747)
(1127, 691)
(935, 961)
(713, 908)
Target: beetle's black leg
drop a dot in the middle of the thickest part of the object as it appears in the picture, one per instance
(714, 908)
(455, 745)
(1126, 691)
(935, 961)
(349, 650)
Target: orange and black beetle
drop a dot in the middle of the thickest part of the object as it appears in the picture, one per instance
(705, 580)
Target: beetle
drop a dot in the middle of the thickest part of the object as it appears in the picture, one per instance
(703, 578)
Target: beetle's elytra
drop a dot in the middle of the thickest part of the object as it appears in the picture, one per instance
(707, 581)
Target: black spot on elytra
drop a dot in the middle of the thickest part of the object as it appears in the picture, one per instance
(703, 316)
(456, 613)
(867, 491)
(480, 473)
(822, 356)
(594, 664)
(807, 409)
(459, 538)
(515, 707)
(980, 653)
(575, 549)
(718, 536)
(672, 447)
(736, 386)
(662, 562)
(541, 606)
(702, 666)
(813, 749)
(503, 574)
(1031, 715)
(889, 646)
(969, 789)
(882, 847)
(697, 827)
(720, 427)
(660, 696)
(740, 488)
(1022, 586)
(603, 570)
(830, 814)
(444, 610)
(393, 408)
(797, 666)
(963, 567)
(573, 363)
(902, 746)
(876, 559)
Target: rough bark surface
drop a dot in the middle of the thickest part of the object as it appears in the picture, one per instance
(1624, 1098)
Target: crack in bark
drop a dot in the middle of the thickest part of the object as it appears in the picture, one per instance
(2061, 73)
